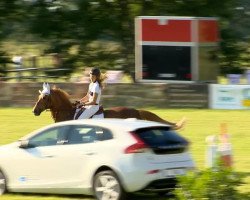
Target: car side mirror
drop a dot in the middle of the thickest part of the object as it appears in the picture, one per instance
(24, 144)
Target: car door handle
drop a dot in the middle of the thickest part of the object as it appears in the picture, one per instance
(89, 153)
(47, 156)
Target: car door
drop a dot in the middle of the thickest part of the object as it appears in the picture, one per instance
(60, 165)
(37, 165)
(79, 151)
(82, 153)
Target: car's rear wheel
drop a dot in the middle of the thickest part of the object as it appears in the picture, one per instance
(2, 183)
(106, 185)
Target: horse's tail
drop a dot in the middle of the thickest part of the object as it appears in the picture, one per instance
(147, 115)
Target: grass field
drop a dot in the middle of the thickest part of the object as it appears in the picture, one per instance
(16, 122)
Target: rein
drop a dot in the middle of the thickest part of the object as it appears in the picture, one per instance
(56, 112)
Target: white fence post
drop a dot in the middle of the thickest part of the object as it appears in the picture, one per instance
(211, 153)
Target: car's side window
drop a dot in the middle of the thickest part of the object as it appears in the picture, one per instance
(81, 134)
(49, 137)
(103, 134)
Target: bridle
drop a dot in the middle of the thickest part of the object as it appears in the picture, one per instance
(54, 112)
(47, 103)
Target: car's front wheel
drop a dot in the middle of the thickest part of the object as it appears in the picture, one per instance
(106, 185)
(2, 183)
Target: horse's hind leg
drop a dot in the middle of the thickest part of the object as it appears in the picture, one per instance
(146, 115)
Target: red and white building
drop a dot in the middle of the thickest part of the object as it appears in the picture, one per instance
(176, 48)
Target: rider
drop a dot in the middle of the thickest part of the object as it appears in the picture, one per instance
(91, 101)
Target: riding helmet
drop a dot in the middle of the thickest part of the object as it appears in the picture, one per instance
(95, 71)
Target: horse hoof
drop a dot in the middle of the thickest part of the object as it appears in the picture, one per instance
(180, 124)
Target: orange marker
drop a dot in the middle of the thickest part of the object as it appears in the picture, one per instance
(225, 147)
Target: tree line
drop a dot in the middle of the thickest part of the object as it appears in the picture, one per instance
(101, 32)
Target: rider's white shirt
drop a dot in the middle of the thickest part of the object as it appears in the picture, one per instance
(95, 88)
(90, 110)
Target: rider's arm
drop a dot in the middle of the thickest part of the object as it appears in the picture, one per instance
(93, 102)
(84, 99)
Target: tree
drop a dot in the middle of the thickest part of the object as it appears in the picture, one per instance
(101, 32)
(10, 15)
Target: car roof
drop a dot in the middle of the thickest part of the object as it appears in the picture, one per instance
(129, 124)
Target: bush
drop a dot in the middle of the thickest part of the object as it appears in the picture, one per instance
(212, 184)
(224, 70)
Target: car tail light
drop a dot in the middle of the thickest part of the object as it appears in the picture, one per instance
(138, 147)
(154, 171)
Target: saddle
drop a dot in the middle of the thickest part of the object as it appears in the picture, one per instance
(82, 108)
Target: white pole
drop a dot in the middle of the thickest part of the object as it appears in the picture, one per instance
(211, 153)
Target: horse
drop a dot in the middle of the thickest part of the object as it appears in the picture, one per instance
(58, 102)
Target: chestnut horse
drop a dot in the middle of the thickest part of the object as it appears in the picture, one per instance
(58, 102)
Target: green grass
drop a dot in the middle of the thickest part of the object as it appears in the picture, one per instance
(16, 122)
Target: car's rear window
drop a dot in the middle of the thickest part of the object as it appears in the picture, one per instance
(162, 138)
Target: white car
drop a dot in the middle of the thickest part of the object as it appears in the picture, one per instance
(107, 158)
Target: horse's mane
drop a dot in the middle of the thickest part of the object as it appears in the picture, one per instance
(60, 99)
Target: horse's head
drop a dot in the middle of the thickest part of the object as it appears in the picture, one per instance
(44, 100)
(55, 100)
